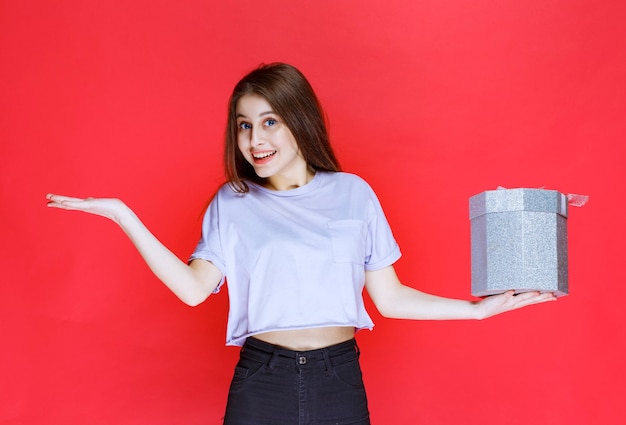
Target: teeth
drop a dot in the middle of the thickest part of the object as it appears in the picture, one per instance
(263, 155)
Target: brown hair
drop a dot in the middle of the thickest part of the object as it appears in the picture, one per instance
(291, 96)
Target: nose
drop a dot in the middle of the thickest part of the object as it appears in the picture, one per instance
(256, 138)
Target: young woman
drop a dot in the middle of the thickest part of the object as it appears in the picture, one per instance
(298, 241)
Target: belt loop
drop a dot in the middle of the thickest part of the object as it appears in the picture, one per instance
(327, 363)
(272, 360)
(357, 349)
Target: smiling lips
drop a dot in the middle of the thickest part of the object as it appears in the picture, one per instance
(262, 157)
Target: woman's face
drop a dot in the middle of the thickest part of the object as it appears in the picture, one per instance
(268, 145)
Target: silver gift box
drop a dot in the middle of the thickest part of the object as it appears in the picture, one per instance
(519, 241)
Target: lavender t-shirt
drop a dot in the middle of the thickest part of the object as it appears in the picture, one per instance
(296, 259)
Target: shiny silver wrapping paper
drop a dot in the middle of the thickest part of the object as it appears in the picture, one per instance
(519, 241)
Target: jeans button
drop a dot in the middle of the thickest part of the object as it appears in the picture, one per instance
(301, 360)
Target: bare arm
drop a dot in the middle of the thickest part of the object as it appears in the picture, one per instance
(395, 300)
(192, 283)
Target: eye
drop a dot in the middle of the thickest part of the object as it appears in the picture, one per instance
(244, 126)
(270, 122)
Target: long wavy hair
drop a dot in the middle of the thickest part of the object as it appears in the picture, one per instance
(291, 97)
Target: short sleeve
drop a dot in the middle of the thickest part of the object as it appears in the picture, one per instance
(382, 248)
(209, 246)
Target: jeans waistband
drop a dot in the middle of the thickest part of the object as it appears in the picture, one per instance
(263, 350)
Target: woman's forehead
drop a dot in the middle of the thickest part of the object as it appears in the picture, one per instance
(252, 105)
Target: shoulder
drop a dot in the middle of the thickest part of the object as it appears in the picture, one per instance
(229, 191)
(347, 179)
(224, 196)
(351, 183)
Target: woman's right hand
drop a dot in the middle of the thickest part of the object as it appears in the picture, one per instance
(111, 208)
(192, 283)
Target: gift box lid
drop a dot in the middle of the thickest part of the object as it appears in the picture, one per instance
(522, 199)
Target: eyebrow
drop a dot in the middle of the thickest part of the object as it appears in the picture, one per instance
(261, 114)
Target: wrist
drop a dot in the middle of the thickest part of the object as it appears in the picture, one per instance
(123, 215)
(478, 310)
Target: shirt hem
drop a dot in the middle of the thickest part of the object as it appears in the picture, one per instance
(239, 341)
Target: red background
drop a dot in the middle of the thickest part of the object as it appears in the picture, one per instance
(430, 101)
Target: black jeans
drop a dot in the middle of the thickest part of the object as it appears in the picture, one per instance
(275, 386)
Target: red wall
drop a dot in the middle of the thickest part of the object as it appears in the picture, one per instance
(430, 101)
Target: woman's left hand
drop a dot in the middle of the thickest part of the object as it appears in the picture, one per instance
(496, 304)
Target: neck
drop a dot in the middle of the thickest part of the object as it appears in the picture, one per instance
(287, 183)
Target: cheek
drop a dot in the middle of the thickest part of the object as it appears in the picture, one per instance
(241, 145)
(295, 147)
(288, 140)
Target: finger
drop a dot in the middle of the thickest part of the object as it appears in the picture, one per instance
(59, 198)
(65, 205)
(67, 202)
(529, 298)
(522, 296)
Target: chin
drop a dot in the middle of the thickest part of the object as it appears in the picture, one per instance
(263, 175)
